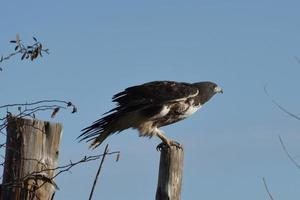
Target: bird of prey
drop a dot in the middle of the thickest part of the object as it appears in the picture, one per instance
(148, 107)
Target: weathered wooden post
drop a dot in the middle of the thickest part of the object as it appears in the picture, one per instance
(32, 149)
(170, 173)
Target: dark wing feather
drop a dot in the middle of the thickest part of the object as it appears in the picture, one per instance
(156, 92)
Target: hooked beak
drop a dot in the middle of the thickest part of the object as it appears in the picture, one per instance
(218, 90)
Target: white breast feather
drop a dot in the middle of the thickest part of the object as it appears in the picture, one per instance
(191, 110)
(163, 112)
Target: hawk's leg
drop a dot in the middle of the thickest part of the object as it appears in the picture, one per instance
(166, 142)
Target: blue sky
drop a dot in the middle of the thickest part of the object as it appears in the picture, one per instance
(100, 47)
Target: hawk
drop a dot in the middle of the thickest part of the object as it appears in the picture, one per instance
(148, 107)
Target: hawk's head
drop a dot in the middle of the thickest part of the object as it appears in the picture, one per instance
(207, 90)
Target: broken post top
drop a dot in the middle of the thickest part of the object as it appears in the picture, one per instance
(32, 150)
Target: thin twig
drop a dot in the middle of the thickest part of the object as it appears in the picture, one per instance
(61, 169)
(287, 153)
(35, 103)
(32, 51)
(98, 172)
(267, 189)
(279, 106)
(297, 59)
(30, 109)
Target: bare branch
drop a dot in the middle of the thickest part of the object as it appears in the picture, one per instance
(297, 59)
(279, 106)
(267, 189)
(39, 175)
(98, 172)
(30, 51)
(68, 103)
(30, 109)
(287, 153)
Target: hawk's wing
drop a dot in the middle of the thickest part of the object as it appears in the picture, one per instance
(156, 92)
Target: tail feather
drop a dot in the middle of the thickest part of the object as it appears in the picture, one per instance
(99, 130)
(116, 120)
(98, 140)
(106, 126)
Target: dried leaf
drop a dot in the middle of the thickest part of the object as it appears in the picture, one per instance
(55, 110)
(1, 69)
(118, 157)
(34, 39)
(74, 109)
(23, 56)
(34, 54)
(13, 41)
(69, 104)
(16, 48)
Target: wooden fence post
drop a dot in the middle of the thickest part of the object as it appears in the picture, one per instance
(170, 174)
(32, 148)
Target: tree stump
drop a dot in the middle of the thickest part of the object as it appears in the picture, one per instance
(170, 173)
(32, 150)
